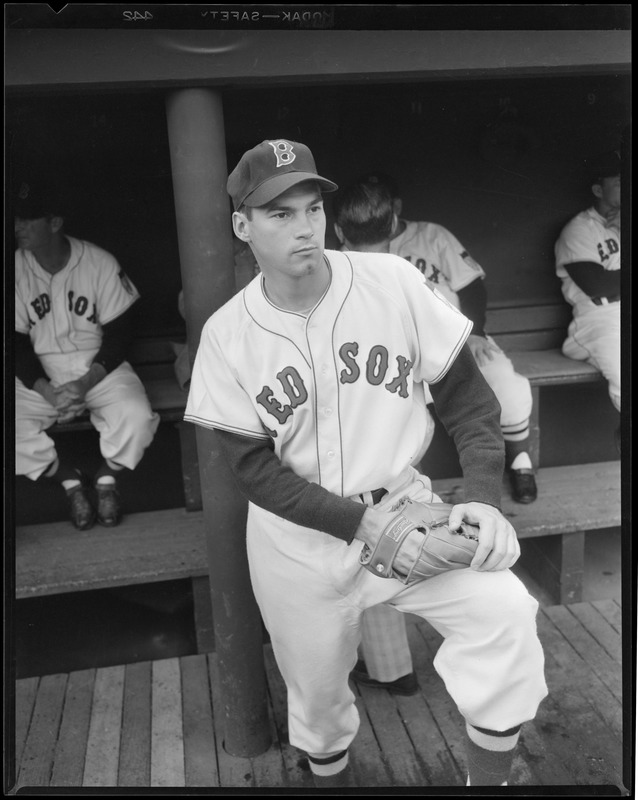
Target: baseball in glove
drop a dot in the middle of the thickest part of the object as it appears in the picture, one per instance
(441, 549)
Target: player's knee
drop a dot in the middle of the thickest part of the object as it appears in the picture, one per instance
(138, 414)
(505, 598)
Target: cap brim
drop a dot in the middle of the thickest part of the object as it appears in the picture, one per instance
(279, 184)
(29, 212)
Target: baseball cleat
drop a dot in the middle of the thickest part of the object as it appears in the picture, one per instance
(81, 510)
(405, 685)
(523, 485)
(109, 509)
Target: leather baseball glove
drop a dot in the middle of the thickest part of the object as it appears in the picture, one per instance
(440, 549)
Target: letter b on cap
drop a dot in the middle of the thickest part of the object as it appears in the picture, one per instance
(283, 151)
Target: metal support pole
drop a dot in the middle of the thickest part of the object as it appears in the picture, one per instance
(202, 207)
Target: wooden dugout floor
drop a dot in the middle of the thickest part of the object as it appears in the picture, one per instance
(153, 724)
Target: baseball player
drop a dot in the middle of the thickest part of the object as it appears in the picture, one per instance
(588, 265)
(73, 323)
(312, 378)
(447, 265)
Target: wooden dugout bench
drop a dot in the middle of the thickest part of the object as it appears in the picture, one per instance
(170, 544)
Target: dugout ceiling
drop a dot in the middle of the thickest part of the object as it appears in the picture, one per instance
(71, 59)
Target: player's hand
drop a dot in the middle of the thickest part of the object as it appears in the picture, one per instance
(482, 349)
(73, 392)
(372, 525)
(71, 412)
(498, 544)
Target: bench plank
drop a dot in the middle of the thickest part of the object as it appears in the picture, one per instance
(149, 546)
(38, 752)
(598, 627)
(26, 693)
(200, 764)
(167, 739)
(135, 747)
(424, 644)
(552, 368)
(568, 671)
(585, 644)
(103, 745)
(611, 611)
(392, 735)
(577, 695)
(70, 752)
(422, 728)
(506, 319)
(570, 499)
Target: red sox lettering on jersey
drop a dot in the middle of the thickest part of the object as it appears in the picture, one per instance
(63, 312)
(439, 255)
(374, 370)
(320, 392)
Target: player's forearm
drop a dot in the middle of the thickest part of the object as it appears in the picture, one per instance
(264, 481)
(43, 387)
(117, 337)
(27, 365)
(477, 436)
(594, 279)
(95, 374)
(473, 302)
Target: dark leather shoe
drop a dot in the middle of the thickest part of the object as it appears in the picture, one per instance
(109, 510)
(81, 509)
(405, 685)
(523, 485)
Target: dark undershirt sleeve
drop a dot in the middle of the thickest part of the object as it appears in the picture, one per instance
(264, 481)
(594, 279)
(475, 430)
(117, 336)
(473, 301)
(27, 365)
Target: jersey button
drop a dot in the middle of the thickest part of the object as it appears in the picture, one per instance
(327, 411)
(331, 453)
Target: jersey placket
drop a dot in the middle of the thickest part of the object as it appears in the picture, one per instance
(60, 314)
(328, 426)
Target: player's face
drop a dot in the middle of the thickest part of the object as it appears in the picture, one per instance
(287, 236)
(610, 191)
(33, 234)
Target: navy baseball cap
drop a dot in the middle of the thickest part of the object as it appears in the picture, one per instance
(33, 199)
(271, 168)
(604, 165)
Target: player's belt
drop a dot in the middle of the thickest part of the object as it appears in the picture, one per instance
(604, 301)
(377, 495)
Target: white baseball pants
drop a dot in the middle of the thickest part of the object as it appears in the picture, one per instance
(513, 392)
(119, 411)
(312, 592)
(595, 337)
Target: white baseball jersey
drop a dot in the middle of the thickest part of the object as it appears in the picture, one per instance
(585, 238)
(439, 255)
(63, 313)
(318, 385)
